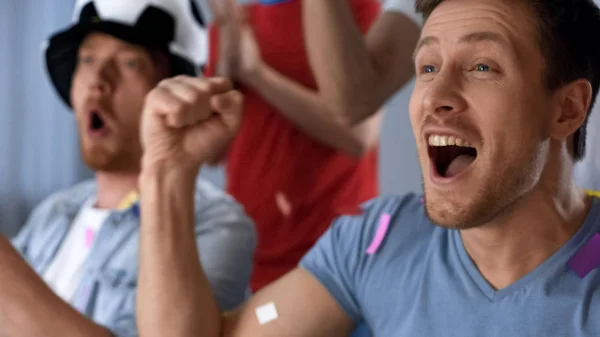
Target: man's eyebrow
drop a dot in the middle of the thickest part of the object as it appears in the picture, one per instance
(426, 41)
(87, 45)
(484, 36)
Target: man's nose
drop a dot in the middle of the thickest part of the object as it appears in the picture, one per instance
(444, 95)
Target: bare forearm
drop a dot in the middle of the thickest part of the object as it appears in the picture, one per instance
(306, 109)
(174, 296)
(29, 308)
(343, 67)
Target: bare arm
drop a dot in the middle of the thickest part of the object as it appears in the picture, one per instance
(357, 75)
(29, 308)
(306, 109)
(183, 120)
(174, 295)
(175, 298)
(304, 307)
(303, 107)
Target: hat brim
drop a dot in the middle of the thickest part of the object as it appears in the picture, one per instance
(61, 52)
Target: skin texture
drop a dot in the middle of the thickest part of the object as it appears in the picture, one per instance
(356, 75)
(28, 308)
(112, 77)
(479, 77)
(477, 88)
(240, 58)
(184, 121)
(517, 198)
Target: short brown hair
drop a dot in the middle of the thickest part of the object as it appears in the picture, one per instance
(568, 34)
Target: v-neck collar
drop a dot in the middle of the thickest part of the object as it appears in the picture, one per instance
(560, 257)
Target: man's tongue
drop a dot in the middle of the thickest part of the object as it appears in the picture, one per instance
(458, 165)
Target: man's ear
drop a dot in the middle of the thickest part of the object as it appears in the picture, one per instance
(574, 100)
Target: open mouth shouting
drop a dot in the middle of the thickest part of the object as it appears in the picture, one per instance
(450, 157)
(97, 126)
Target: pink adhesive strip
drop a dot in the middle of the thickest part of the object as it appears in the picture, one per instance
(89, 237)
(384, 223)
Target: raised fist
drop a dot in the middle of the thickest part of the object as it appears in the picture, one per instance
(187, 121)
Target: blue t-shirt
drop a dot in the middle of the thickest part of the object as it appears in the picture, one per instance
(421, 282)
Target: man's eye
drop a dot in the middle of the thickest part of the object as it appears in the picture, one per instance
(482, 67)
(131, 64)
(428, 69)
(86, 59)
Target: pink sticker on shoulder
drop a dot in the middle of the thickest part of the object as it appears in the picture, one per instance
(384, 223)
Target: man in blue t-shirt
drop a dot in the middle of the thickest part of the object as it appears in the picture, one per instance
(503, 243)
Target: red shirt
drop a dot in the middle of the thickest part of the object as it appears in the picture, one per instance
(270, 156)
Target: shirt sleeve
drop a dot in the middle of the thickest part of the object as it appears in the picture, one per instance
(125, 324)
(37, 218)
(332, 261)
(340, 260)
(226, 241)
(406, 7)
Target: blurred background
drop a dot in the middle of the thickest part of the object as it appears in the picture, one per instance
(38, 143)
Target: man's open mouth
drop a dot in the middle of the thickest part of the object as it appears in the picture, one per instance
(96, 121)
(450, 155)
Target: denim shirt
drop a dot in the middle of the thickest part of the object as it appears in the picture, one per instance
(225, 237)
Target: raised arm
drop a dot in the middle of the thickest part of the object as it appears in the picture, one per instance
(305, 107)
(175, 298)
(356, 74)
(183, 121)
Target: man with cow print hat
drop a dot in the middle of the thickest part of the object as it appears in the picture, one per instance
(84, 241)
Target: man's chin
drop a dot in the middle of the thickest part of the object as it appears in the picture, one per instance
(98, 164)
(100, 160)
(454, 213)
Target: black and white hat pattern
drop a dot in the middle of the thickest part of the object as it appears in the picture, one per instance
(175, 26)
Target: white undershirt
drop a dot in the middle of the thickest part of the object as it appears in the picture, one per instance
(65, 271)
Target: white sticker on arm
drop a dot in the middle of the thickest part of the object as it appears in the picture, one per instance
(266, 313)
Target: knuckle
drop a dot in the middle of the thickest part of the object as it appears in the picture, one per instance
(164, 83)
(237, 100)
(199, 98)
(181, 77)
(152, 98)
(202, 85)
(237, 97)
(177, 106)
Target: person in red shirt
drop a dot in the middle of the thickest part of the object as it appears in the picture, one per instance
(293, 165)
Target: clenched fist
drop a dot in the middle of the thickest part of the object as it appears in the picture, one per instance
(187, 120)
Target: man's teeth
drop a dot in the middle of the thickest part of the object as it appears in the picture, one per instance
(438, 140)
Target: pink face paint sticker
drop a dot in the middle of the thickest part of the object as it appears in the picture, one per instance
(384, 224)
(587, 258)
(89, 237)
(283, 204)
